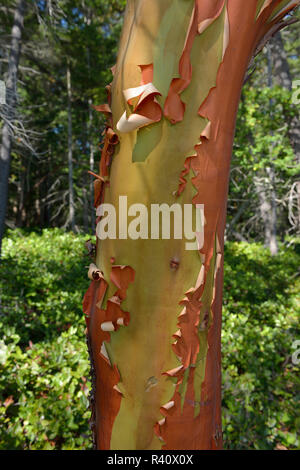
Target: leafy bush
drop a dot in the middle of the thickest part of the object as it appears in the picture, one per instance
(43, 356)
(44, 362)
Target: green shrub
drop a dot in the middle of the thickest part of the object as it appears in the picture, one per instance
(261, 386)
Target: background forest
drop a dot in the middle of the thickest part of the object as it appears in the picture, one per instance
(67, 50)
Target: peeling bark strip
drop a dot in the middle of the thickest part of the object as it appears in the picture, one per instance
(147, 110)
(109, 144)
(103, 369)
(204, 13)
(154, 321)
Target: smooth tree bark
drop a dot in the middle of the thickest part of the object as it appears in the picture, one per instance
(281, 69)
(153, 308)
(9, 110)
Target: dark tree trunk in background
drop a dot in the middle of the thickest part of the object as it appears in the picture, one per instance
(295, 139)
(71, 219)
(21, 191)
(281, 69)
(11, 102)
(265, 185)
(272, 216)
(283, 78)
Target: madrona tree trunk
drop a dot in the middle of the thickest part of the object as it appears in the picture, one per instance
(153, 308)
